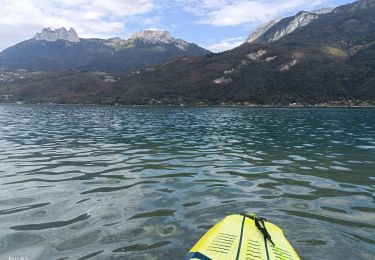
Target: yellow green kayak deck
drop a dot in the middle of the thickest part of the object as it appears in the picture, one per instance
(243, 237)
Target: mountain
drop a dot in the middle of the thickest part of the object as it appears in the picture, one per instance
(157, 36)
(60, 34)
(328, 60)
(143, 49)
(280, 27)
(262, 29)
(61, 50)
(325, 10)
(287, 26)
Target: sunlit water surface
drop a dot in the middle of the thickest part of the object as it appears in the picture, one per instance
(147, 182)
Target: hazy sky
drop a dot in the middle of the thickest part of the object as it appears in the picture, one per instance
(213, 24)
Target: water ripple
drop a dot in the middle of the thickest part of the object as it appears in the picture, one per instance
(54, 224)
(81, 182)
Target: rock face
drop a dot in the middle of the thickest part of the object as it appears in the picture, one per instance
(288, 65)
(287, 26)
(222, 81)
(115, 43)
(326, 10)
(260, 30)
(149, 37)
(55, 35)
(255, 56)
(154, 36)
(279, 28)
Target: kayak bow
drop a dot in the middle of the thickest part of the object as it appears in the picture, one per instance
(243, 237)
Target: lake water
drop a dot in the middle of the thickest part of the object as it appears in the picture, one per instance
(147, 182)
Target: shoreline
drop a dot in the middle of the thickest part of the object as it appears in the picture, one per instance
(354, 106)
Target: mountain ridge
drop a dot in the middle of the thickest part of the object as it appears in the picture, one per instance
(280, 27)
(60, 49)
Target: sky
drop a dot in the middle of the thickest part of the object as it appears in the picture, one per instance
(217, 25)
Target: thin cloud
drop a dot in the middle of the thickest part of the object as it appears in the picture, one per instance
(238, 12)
(156, 20)
(20, 19)
(226, 44)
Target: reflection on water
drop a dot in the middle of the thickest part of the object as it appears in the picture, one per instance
(147, 182)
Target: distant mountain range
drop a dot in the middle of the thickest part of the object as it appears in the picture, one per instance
(320, 57)
(62, 49)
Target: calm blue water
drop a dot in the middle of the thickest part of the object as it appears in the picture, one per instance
(147, 182)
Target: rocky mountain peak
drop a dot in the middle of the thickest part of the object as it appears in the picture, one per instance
(279, 28)
(325, 10)
(301, 19)
(156, 36)
(50, 35)
(115, 42)
(152, 36)
(261, 29)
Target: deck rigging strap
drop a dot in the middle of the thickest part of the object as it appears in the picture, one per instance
(259, 223)
(241, 235)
